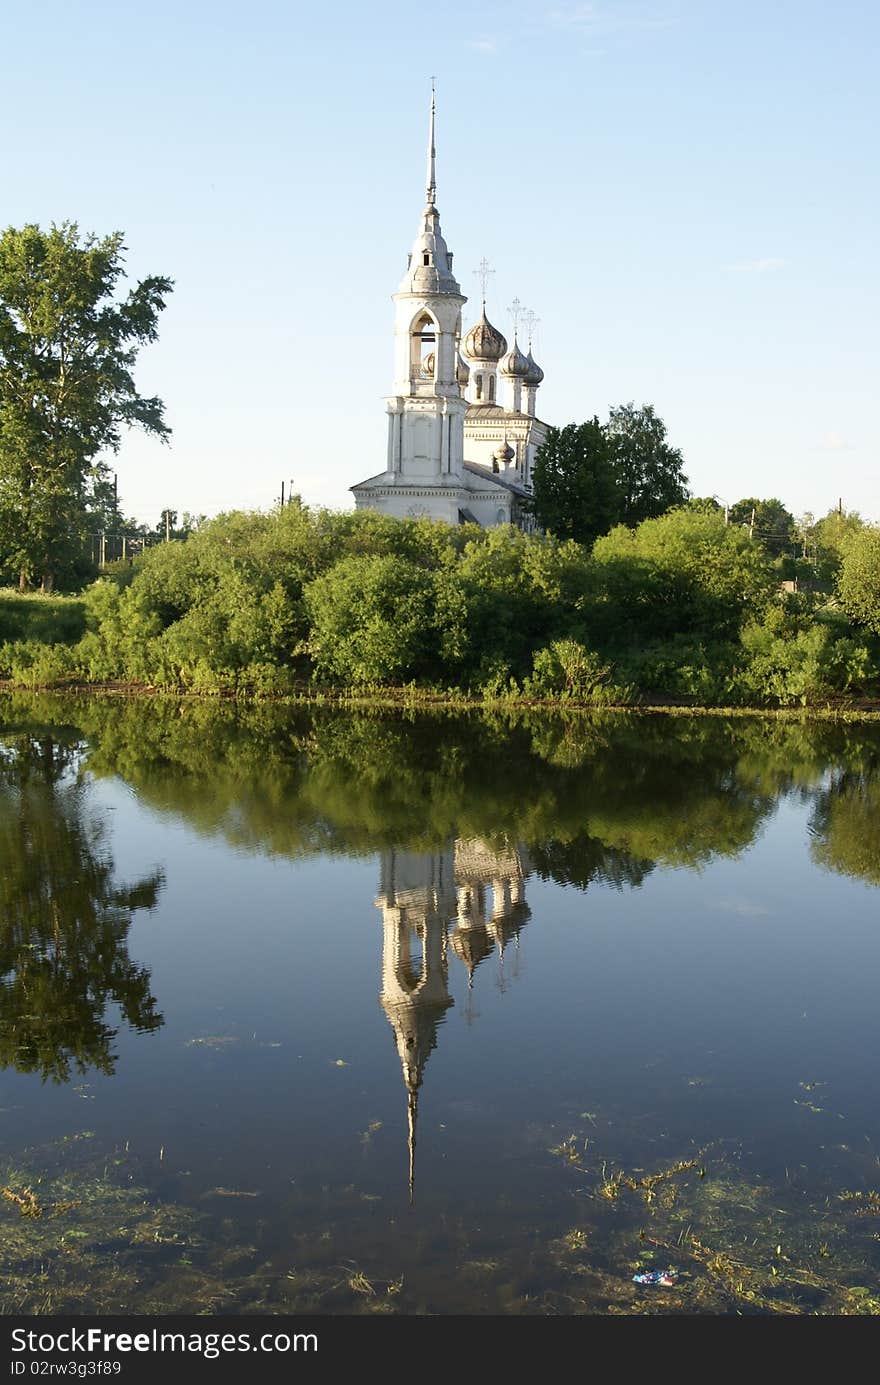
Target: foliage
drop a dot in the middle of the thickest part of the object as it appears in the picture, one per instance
(372, 621)
(827, 539)
(575, 495)
(682, 574)
(568, 671)
(649, 474)
(67, 351)
(683, 607)
(768, 521)
(858, 582)
(591, 476)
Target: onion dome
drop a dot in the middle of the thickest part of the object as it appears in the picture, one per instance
(504, 453)
(484, 342)
(515, 364)
(536, 374)
(462, 370)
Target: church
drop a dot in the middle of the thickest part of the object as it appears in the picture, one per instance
(462, 426)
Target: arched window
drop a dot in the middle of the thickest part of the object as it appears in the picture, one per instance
(478, 381)
(426, 258)
(423, 353)
(491, 389)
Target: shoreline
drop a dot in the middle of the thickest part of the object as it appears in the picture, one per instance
(427, 700)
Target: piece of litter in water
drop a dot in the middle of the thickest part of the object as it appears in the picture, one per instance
(665, 1278)
(340, 1063)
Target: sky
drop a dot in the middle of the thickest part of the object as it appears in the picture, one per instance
(684, 191)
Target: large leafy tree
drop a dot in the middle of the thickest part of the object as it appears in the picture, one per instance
(649, 474)
(858, 581)
(574, 491)
(768, 521)
(68, 347)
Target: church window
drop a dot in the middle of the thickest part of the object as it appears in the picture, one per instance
(479, 385)
(423, 339)
(491, 389)
(426, 258)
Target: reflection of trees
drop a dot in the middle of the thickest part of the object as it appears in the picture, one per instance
(585, 859)
(63, 920)
(603, 797)
(845, 825)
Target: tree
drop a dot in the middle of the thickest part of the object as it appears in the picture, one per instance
(858, 582)
(828, 539)
(768, 521)
(574, 494)
(372, 621)
(648, 472)
(67, 351)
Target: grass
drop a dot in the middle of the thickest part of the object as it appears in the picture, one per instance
(50, 619)
(82, 1230)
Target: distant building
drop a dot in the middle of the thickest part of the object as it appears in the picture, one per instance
(462, 429)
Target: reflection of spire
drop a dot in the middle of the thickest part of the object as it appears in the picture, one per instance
(416, 898)
(412, 1108)
(429, 899)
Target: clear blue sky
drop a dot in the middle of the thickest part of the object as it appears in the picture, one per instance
(685, 191)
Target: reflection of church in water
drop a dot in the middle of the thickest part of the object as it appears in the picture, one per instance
(468, 897)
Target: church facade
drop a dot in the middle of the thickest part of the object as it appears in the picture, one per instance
(462, 425)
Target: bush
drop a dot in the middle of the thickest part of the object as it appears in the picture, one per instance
(565, 669)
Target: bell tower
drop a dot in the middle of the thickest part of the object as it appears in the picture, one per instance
(426, 411)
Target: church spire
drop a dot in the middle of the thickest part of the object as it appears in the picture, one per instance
(431, 191)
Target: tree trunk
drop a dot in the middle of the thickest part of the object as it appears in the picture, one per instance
(23, 583)
(47, 583)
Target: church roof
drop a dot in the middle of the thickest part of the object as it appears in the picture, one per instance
(484, 342)
(429, 267)
(383, 476)
(485, 474)
(492, 411)
(515, 365)
(536, 374)
(496, 413)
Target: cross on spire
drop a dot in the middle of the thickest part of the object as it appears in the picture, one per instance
(431, 193)
(516, 311)
(484, 272)
(532, 321)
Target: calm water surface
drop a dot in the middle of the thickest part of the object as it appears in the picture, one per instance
(345, 1012)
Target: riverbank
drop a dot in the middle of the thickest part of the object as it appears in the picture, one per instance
(682, 612)
(421, 699)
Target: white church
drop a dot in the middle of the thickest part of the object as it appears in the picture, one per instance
(462, 428)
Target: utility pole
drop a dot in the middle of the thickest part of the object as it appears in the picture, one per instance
(167, 526)
(282, 495)
(752, 523)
